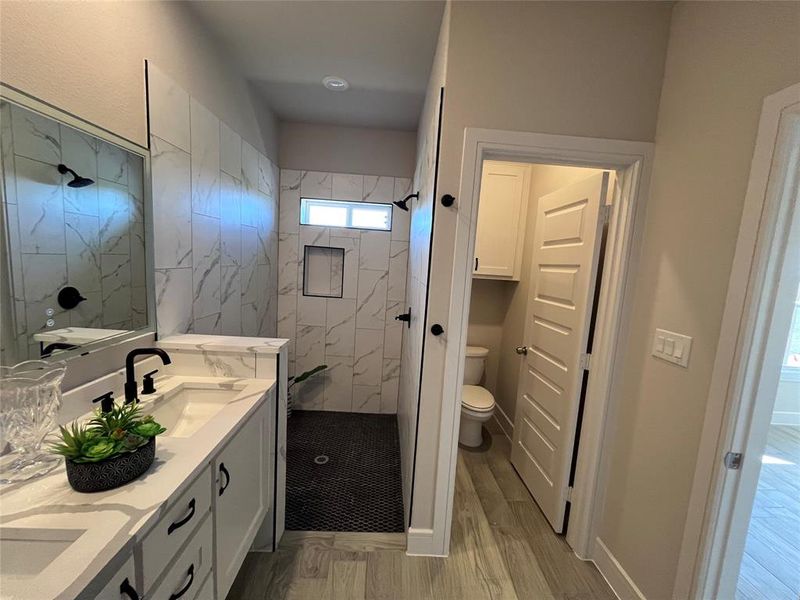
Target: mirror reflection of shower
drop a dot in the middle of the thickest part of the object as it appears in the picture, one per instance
(77, 180)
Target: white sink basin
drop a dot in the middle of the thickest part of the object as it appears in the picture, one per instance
(28, 551)
(184, 409)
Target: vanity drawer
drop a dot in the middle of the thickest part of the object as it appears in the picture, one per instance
(175, 527)
(122, 585)
(184, 578)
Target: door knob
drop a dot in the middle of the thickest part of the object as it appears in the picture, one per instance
(521, 350)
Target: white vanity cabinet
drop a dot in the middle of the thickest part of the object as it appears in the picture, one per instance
(241, 496)
(122, 585)
(501, 221)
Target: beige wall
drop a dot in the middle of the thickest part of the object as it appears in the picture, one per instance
(490, 301)
(723, 59)
(88, 58)
(330, 148)
(576, 68)
(497, 308)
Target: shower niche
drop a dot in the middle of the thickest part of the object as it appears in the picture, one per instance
(323, 271)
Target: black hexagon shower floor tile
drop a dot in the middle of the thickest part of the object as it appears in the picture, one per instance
(343, 472)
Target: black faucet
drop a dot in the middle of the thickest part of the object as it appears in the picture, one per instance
(131, 385)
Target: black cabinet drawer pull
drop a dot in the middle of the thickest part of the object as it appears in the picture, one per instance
(225, 472)
(127, 589)
(185, 588)
(184, 520)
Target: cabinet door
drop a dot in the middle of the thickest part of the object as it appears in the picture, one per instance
(240, 495)
(501, 220)
(122, 584)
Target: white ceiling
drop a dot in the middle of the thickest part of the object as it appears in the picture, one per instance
(285, 48)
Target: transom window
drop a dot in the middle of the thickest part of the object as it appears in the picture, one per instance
(341, 213)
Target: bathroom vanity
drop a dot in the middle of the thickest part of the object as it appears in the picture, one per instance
(77, 218)
(183, 529)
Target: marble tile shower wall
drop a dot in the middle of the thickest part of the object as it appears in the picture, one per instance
(215, 226)
(355, 335)
(91, 238)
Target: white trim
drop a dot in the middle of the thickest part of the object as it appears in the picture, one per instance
(634, 159)
(785, 417)
(612, 571)
(506, 425)
(713, 488)
(420, 542)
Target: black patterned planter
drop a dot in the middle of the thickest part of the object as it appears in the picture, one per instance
(111, 473)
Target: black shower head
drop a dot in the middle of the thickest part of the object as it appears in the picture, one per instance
(77, 180)
(403, 204)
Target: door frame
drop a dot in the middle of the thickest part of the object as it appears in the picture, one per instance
(729, 417)
(634, 160)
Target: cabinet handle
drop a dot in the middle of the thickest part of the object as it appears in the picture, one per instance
(184, 520)
(127, 589)
(476, 263)
(185, 588)
(225, 472)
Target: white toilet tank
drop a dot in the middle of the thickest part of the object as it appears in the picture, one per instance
(474, 363)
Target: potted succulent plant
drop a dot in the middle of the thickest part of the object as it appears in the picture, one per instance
(294, 380)
(111, 449)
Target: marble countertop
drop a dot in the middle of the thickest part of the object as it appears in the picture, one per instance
(76, 335)
(222, 343)
(106, 526)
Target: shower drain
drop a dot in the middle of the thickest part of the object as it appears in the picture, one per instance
(321, 459)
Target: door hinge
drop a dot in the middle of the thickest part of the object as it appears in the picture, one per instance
(586, 362)
(733, 460)
(569, 494)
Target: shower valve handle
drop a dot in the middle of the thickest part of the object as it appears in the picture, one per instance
(406, 317)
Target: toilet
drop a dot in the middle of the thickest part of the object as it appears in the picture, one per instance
(477, 403)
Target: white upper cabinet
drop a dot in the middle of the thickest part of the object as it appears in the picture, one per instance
(501, 220)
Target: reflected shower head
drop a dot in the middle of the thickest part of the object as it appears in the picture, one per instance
(77, 180)
(403, 204)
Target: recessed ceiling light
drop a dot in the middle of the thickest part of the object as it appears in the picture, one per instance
(336, 84)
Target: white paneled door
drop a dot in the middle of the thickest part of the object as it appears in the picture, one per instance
(564, 271)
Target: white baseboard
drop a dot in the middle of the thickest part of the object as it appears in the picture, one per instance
(420, 542)
(506, 424)
(784, 417)
(614, 574)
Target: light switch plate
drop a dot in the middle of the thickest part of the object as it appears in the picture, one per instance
(672, 347)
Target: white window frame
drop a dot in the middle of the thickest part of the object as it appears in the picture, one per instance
(349, 206)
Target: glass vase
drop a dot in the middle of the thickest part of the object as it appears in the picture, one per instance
(30, 397)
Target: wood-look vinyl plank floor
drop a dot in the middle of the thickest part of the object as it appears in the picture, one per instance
(770, 568)
(502, 548)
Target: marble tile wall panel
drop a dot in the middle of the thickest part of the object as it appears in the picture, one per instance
(168, 105)
(205, 265)
(360, 340)
(205, 159)
(112, 163)
(116, 287)
(214, 364)
(91, 238)
(79, 152)
(41, 207)
(172, 205)
(226, 222)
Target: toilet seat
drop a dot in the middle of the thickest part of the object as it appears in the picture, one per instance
(477, 398)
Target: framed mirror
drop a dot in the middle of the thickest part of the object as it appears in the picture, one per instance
(74, 234)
